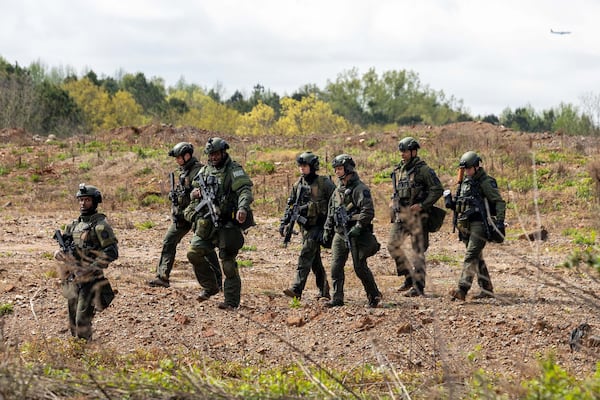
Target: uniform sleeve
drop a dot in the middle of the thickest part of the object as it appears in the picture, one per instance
(489, 187)
(329, 223)
(361, 197)
(329, 187)
(434, 187)
(108, 245)
(242, 185)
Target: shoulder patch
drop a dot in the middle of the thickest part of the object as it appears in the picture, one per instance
(104, 234)
(367, 194)
(493, 183)
(434, 176)
(238, 172)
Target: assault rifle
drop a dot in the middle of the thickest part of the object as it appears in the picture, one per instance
(174, 197)
(173, 193)
(452, 202)
(395, 195)
(293, 214)
(341, 217)
(65, 242)
(207, 199)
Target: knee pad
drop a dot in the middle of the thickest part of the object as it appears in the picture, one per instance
(196, 255)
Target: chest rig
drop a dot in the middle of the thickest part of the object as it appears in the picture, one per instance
(469, 201)
(407, 190)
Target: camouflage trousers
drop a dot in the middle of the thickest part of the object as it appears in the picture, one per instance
(339, 256)
(310, 259)
(83, 300)
(174, 235)
(414, 268)
(229, 239)
(474, 265)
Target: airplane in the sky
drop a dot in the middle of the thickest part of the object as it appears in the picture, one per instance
(560, 32)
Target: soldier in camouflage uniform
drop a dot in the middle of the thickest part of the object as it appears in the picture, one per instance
(316, 191)
(352, 199)
(189, 166)
(220, 222)
(92, 245)
(416, 189)
(477, 193)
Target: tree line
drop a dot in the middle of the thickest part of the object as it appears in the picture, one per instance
(61, 102)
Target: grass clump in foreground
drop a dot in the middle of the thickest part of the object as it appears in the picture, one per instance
(69, 369)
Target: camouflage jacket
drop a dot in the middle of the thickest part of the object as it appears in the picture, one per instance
(183, 184)
(355, 196)
(94, 240)
(416, 183)
(477, 188)
(318, 191)
(231, 186)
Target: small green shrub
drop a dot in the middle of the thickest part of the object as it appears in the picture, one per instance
(295, 303)
(144, 171)
(260, 167)
(152, 199)
(556, 383)
(244, 263)
(142, 226)
(6, 308)
(581, 236)
(85, 166)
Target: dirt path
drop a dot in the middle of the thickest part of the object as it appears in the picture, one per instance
(536, 307)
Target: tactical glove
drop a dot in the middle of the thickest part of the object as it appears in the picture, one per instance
(448, 203)
(326, 239)
(501, 227)
(355, 231)
(499, 233)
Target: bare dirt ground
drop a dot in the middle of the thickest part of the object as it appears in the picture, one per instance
(536, 305)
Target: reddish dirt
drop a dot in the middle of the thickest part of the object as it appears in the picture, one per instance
(536, 305)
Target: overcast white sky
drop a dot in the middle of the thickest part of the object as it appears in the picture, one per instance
(490, 54)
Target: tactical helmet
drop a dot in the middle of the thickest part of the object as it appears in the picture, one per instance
(345, 160)
(308, 158)
(408, 143)
(469, 159)
(91, 191)
(215, 144)
(181, 148)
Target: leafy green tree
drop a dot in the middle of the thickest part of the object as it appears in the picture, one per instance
(18, 97)
(570, 122)
(58, 112)
(150, 95)
(395, 97)
(209, 114)
(345, 97)
(259, 121)
(125, 111)
(94, 102)
(308, 116)
(238, 103)
(259, 94)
